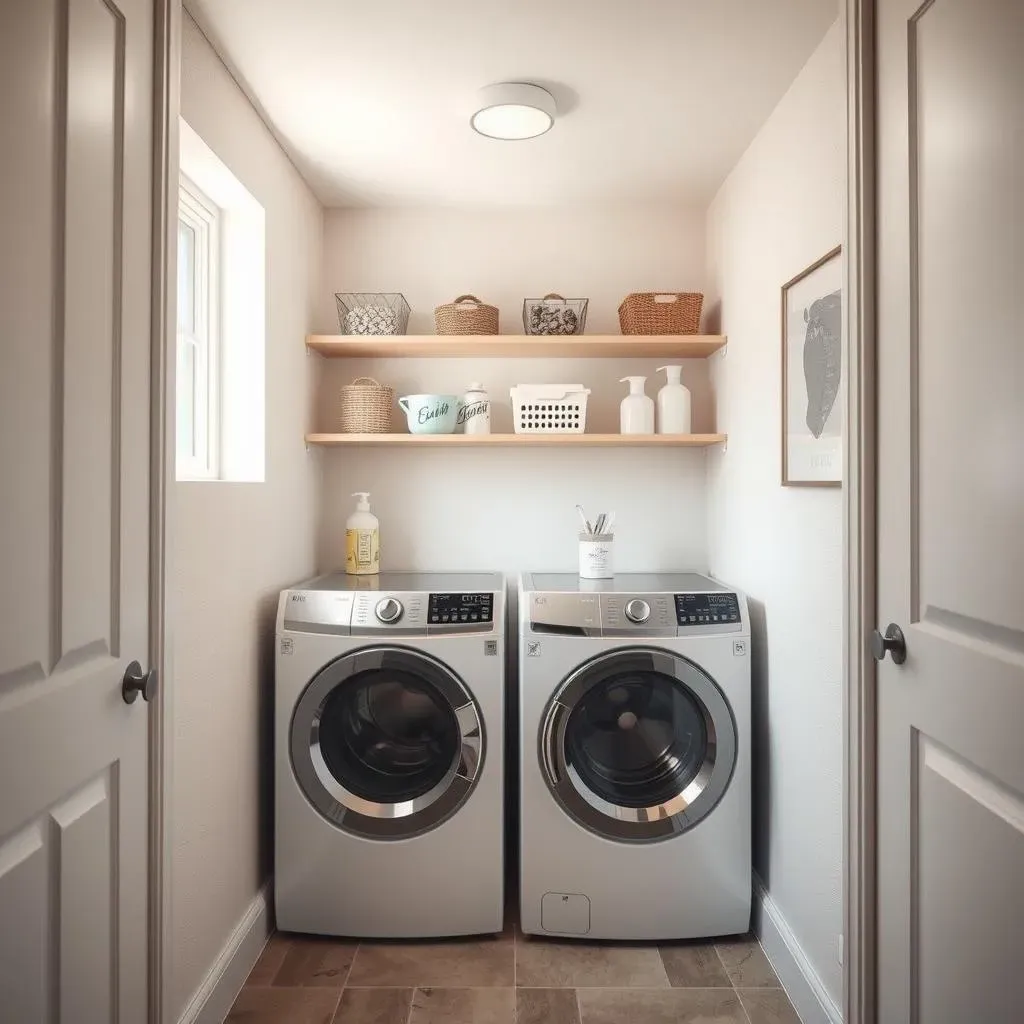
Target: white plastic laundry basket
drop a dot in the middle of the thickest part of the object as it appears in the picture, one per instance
(549, 408)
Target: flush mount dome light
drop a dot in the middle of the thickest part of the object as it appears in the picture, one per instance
(513, 110)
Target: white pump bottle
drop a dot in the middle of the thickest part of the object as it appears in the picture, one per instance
(673, 403)
(636, 413)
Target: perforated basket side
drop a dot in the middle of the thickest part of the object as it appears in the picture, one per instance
(538, 414)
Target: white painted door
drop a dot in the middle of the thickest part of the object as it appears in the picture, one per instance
(75, 213)
(951, 510)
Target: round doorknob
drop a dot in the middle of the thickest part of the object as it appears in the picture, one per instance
(638, 611)
(389, 610)
(892, 642)
(137, 682)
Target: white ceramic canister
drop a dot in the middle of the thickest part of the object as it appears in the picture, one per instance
(673, 403)
(596, 561)
(475, 414)
(636, 412)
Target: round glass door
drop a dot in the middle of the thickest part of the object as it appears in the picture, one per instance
(638, 744)
(386, 742)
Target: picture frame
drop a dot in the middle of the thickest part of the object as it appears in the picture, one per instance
(812, 360)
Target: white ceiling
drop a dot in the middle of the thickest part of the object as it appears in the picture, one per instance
(657, 98)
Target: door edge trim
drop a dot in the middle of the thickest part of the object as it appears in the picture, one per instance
(859, 710)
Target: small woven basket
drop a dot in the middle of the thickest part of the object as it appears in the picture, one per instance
(466, 315)
(661, 313)
(366, 407)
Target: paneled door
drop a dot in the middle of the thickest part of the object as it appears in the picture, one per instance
(951, 510)
(75, 228)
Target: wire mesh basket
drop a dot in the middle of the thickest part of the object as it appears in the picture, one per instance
(549, 408)
(554, 315)
(372, 312)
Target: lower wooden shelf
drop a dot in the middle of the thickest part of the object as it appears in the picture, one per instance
(516, 440)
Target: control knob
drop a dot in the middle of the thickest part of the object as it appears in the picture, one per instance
(389, 610)
(638, 611)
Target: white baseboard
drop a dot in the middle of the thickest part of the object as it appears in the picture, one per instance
(212, 1000)
(800, 980)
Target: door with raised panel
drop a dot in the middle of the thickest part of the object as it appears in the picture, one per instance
(951, 510)
(75, 216)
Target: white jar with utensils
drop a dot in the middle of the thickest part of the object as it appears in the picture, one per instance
(596, 550)
(475, 415)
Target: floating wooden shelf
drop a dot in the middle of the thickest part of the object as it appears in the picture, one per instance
(516, 440)
(517, 346)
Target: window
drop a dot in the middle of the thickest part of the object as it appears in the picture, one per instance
(198, 376)
(222, 321)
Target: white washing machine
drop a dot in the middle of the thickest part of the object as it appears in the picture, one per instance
(389, 740)
(635, 763)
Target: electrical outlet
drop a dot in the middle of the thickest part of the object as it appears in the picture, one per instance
(839, 950)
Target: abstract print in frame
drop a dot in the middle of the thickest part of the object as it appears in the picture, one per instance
(812, 362)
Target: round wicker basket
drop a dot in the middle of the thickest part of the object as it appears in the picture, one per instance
(466, 315)
(366, 407)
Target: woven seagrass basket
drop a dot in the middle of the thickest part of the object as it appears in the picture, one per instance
(366, 407)
(661, 313)
(466, 315)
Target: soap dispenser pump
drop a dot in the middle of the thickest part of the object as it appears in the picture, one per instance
(636, 413)
(362, 539)
(673, 403)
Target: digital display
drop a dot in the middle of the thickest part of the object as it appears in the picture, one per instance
(707, 609)
(446, 609)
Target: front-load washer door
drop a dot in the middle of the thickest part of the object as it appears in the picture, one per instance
(638, 744)
(386, 742)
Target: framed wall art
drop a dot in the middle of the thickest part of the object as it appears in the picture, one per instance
(812, 363)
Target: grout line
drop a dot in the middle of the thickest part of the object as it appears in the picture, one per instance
(743, 1007)
(579, 1006)
(412, 1003)
(337, 1005)
(732, 984)
(351, 964)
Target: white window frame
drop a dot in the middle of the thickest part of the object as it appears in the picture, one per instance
(203, 216)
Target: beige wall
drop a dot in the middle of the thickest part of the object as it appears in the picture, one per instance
(234, 546)
(780, 210)
(507, 509)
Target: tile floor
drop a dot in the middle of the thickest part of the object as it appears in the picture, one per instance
(511, 979)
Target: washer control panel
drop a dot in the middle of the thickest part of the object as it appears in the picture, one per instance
(648, 615)
(389, 610)
(715, 609)
(460, 609)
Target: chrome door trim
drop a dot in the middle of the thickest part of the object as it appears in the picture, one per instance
(368, 818)
(658, 821)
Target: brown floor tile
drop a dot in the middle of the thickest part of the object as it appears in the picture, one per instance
(463, 1006)
(694, 966)
(374, 1006)
(541, 963)
(264, 1005)
(269, 962)
(660, 1006)
(314, 961)
(768, 1006)
(476, 963)
(746, 964)
(546, 1006)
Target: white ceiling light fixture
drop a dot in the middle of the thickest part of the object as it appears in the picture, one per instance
(513, 110)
